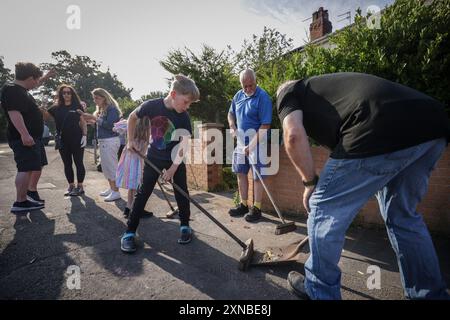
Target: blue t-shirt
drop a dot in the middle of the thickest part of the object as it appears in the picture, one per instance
(251, 112)
(164, 123)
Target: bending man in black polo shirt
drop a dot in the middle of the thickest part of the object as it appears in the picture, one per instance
(385, 139)
(25, 128)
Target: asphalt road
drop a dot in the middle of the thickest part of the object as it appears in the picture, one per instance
(43, 252)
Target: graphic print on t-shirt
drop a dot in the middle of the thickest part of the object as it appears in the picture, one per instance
(162, 130)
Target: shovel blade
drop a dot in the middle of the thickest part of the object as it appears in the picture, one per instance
(294, 252)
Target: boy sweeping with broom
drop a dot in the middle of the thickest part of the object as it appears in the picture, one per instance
(166, 115)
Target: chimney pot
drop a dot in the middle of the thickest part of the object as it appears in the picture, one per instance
(320, 25)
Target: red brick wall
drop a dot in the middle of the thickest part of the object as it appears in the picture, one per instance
(287, 189)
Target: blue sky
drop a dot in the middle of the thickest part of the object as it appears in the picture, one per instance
(131, 37)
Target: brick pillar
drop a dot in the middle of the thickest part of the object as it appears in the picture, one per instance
(200, 174)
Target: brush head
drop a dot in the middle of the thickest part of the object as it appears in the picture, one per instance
(246, 256)
(172, 213)
(285, 228)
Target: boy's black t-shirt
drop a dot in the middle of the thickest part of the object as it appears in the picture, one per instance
(71, 129)
(359, 115)
(16, 98)
(164, 122)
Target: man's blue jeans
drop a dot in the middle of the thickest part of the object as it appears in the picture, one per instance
(399, 180)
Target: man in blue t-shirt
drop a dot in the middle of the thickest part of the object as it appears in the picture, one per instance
(249, 118)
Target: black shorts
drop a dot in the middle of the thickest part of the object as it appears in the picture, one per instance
(29, 158)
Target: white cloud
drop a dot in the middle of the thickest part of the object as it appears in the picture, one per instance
(303, 9)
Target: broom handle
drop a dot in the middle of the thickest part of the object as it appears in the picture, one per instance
(195, 203)
(299, 247)
(268, 193)
(265, 188)
(165, 195)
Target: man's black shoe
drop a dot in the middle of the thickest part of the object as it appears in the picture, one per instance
(34, 195)
(239, 211)
(26, 206)
(254, 215)
(296, 284)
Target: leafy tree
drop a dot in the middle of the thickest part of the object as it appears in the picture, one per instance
(5, 73)
(412, 47)
(216, 72)
(127, 105)
(266, 55)
(5, 76)
(263, 51)
(212, 71)
(152, 95)
(84, 75)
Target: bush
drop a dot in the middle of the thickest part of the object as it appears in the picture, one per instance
(229, 178)
(229, 181)
(236, 198)
(412, 48)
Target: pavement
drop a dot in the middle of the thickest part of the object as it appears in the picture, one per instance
(71, 248)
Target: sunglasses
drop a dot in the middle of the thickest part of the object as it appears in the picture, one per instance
(67, 92)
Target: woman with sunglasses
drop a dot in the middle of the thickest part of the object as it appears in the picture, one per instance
(73, 131)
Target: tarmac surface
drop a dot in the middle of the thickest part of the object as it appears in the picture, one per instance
(42, 252)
